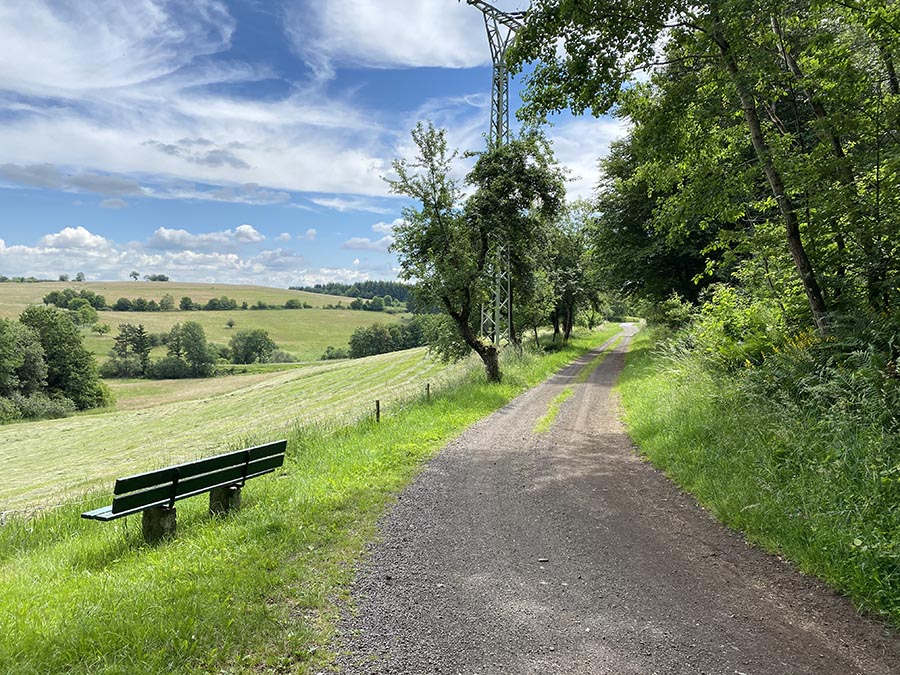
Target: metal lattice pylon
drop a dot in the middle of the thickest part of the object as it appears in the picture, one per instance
(496, 317)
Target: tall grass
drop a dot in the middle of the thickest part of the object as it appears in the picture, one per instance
(815, 478)
(252, 592)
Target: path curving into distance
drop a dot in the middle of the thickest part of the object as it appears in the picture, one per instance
(519, 552)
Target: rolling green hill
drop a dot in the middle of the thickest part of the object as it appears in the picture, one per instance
(303, 332)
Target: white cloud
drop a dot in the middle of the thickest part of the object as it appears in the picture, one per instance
(310, 234)
(79, 249)
(284, 236)
(247, 234)
(113, 204)
(366, 244)
(389, 33)
(166, 239)
(98, 45)
(387, 228)
(343, 204)
(578, 144)
(76, 238)
(279, 259)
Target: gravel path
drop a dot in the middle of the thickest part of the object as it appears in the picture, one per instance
(515, 552)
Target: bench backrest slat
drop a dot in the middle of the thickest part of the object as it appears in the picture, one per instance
(155, 487)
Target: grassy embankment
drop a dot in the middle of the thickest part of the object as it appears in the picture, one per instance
(186, 419)
(821, 488)
(252, 592)
(305, 333)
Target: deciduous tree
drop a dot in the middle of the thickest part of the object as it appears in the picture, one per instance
(71, 369)
(448, 244)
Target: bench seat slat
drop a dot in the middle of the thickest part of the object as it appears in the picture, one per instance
(268, 450)
(196, 485)
(142, 481)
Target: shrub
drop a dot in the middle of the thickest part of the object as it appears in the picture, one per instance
(281, 356)
(169, 368)
(42, 407)
(9, 412)
(122, 366)
(333, 353)
(673, 313)
(734, 329)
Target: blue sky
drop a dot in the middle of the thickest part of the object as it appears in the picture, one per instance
(238, 141)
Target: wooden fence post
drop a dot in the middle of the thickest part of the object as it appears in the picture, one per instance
(377, 410)
(428, 392)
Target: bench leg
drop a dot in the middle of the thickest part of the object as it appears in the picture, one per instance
(224, 499)
(158, 524)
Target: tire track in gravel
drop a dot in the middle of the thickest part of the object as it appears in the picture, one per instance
(515, 552)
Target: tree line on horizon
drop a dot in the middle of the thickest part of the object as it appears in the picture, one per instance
(366, 290)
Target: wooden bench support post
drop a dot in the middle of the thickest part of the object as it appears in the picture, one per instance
(224, 499)
(158, 524)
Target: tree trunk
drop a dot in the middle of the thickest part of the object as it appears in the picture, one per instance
(568, 323)
(893, 81)
(488, 353)
(845, 173)
(785, 206)
(554, 317)
(537, 340)
(491, 359)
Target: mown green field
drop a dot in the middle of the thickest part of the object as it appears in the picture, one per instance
(49, 461)
(305, 333)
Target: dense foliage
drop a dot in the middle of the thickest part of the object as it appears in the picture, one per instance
(763, 150)
(44, 369)
(251, 346)
(382, 338)
(188, 354)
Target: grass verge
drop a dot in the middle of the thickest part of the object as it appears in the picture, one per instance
(252, 592)
(824, 494)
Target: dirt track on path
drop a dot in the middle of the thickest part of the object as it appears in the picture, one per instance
(563, 552)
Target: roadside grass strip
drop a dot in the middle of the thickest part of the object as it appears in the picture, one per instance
(544, 424)
(254, 591)
(821, 490)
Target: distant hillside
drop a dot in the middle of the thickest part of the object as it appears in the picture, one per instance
(305, 333)
(362, 289)
(14, 297)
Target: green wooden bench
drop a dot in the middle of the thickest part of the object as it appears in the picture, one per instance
(154, 493)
